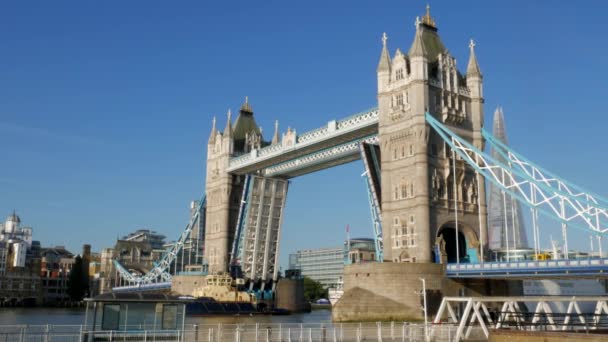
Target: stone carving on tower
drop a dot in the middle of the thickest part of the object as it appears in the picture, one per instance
(417, 166)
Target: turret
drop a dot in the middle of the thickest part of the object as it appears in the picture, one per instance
(474, 77)
(418, 55)
(275, 137)
(227, 142)
(475, 85)
(213, 133)
(384, 66)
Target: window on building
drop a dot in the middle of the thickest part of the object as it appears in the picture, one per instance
(412, 189)
(403, 151)
(407, 97)
(403, 190)
(400, 100)
(411, 150)
(169, 316)
(399, 74)
(111, 317)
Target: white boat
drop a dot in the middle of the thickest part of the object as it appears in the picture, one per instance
(334, 293)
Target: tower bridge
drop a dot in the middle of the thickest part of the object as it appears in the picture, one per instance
(426, 173)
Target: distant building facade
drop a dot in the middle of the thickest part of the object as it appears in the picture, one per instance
(19, 264)
(326, 265)
(55, 267)
(360, 250)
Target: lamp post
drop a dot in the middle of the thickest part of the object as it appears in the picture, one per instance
(426, 331)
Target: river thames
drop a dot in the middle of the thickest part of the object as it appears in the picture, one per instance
(62, 316)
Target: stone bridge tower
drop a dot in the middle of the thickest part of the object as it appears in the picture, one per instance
(418, 207)
(224, 190)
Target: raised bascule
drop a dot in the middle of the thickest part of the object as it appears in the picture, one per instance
(426, 172)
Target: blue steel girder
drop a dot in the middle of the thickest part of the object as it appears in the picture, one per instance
(516, 160)
(374, 202)
(553, 202)
(596, 268)
(321, 159)
(161, 269)
(237, 245)
(335, 133)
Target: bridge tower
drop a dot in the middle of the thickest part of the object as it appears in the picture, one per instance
(418, 205)
(223, 189)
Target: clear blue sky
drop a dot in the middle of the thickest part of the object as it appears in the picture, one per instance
(106, 106)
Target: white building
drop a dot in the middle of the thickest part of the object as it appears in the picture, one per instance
(15, 241)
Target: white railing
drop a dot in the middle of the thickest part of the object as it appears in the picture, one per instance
(258, 332)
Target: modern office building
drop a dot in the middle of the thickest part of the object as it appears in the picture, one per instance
(326, 265)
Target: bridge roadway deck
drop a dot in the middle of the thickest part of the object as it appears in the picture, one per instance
(528, 269)
(333, 144)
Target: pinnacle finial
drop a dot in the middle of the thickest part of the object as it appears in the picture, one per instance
(427, 19)
(384, 38)
(228, 129)
(473, 66)
(246, 107)
(213, 132)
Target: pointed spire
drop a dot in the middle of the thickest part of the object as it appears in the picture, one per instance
(499, 129)
(246, 108)
(228, 129)
(473, 67)
(385, 58)
(417, 49)
(427, 19)
(275, 137)
(213, 132)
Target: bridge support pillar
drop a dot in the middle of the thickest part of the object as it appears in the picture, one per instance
(393, 291)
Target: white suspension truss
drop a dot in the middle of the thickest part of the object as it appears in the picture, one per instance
(529, 184)
(160, 271)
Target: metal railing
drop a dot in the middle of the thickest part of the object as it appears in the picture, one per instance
(531, 267)
(251, 332)
(353, 122)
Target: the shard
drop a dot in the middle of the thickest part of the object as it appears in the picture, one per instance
(505, 224)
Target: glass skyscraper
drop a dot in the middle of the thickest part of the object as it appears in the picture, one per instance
(505, 224)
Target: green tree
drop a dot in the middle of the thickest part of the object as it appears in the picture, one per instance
(78, 281)
(313, 290)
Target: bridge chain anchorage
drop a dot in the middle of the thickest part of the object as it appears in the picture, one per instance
(536, 188)
(160, 273)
